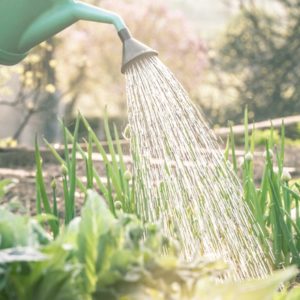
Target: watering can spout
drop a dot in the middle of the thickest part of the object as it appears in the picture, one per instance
(133, 50)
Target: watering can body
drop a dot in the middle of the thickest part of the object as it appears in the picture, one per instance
(26, 23)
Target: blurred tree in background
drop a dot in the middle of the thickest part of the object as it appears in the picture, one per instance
(80, 68)
(30, 89)
(258, 62)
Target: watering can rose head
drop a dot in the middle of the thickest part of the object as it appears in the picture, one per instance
(26, 23)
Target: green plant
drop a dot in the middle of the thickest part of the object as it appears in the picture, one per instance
(109, 254)
(262, 136)
(103, 257)
(117, 188)
(120, 259)
(5, 185)
(26, 272)
(275, 202)
(42, 197)
(20, 231)
(97, 256)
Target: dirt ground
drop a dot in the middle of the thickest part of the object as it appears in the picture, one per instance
(18, 165)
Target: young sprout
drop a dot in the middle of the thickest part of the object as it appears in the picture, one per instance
(127, 175)
(53, 184)
(248, 156)
(270, 153)
(64, 170)
(118, 205)
(286, 176)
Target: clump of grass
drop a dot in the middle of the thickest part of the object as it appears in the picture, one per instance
(116, 189)
(274, 202)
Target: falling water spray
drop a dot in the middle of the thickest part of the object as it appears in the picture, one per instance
(182, 178)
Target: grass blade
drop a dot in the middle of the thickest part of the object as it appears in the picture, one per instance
(42, 189)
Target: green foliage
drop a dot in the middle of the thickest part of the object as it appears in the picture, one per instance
(101, 257)
(262, 136)
(25, 272)
(275, 202)
(117, 188)
(5, 185)
(20, 231)
(117, 184)
(42, 196)
(108, 253)
(50, 278)
(95, 223)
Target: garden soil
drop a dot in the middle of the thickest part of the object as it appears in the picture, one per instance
(18, 164)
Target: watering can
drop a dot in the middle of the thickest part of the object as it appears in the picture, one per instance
(26, 23)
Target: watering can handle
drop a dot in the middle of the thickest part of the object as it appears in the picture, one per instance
(63, 15)
(83, 11)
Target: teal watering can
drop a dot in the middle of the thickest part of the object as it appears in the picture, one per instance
(26, 23)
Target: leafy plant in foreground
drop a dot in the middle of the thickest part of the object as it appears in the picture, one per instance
(97, 256)
(101, 257)
(25, 271)
(107, 254)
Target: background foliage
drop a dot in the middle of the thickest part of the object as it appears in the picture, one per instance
(257, 62)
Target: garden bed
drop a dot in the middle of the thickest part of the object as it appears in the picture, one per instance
(18, 164)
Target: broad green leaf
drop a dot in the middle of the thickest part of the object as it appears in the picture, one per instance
(14, 231)
(96, 220)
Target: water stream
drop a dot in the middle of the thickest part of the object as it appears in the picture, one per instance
(182, 179)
